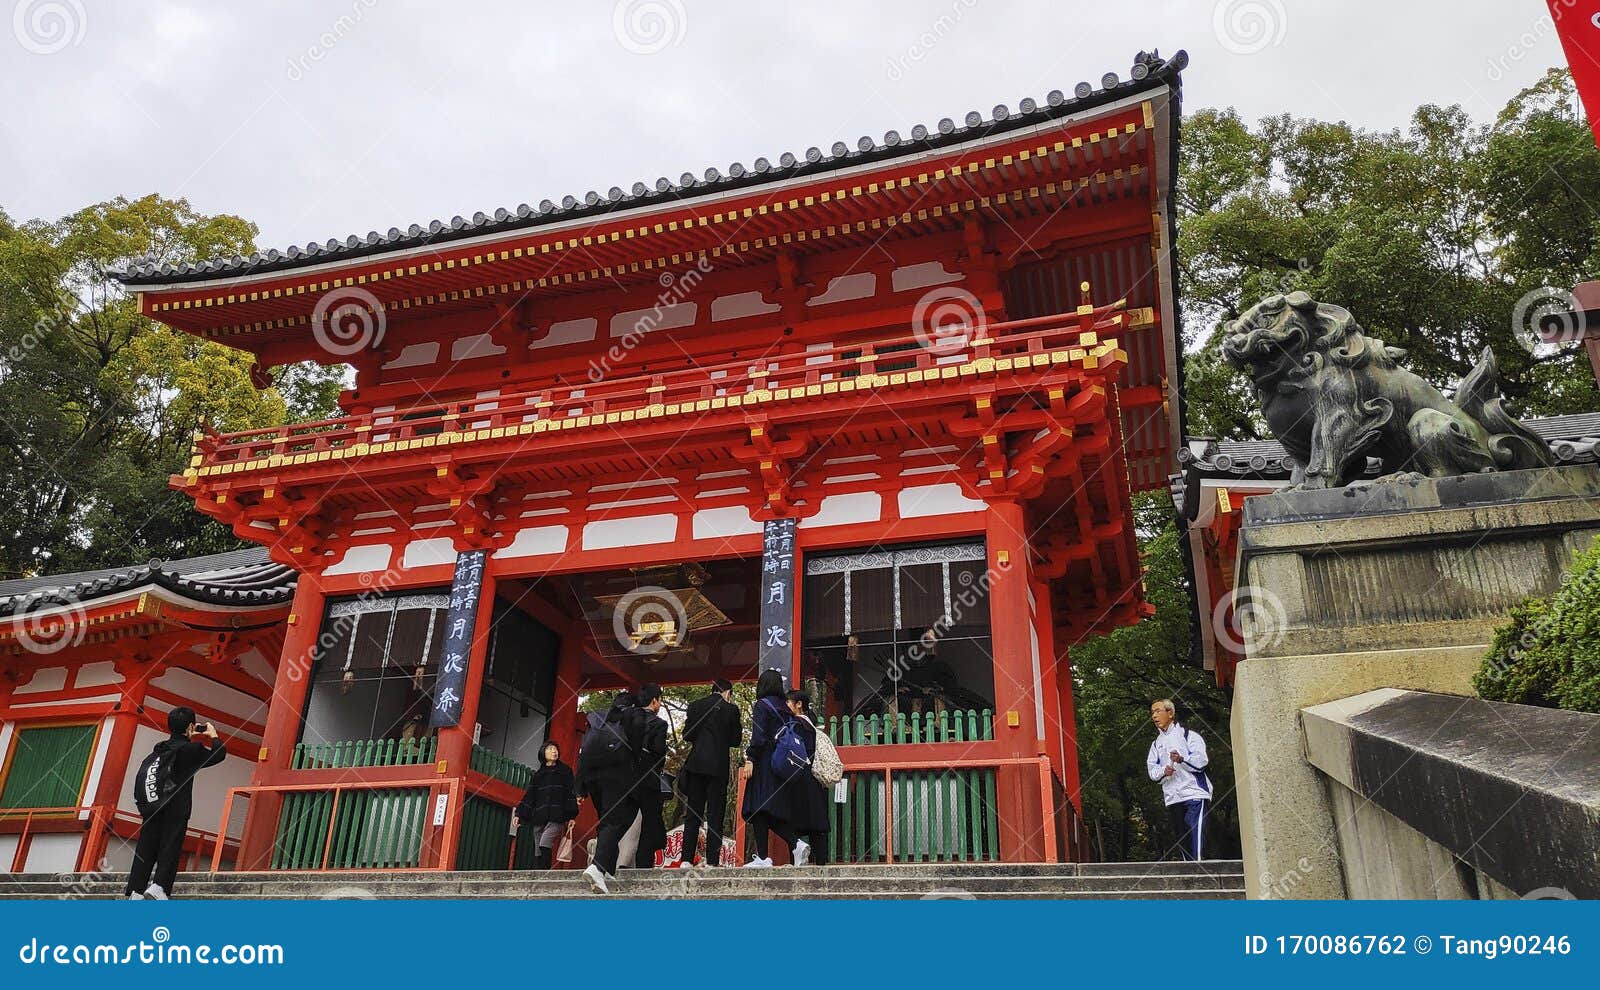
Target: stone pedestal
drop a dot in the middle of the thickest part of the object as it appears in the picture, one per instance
(1398, 585)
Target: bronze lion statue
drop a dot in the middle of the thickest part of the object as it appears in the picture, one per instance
(1334, 396)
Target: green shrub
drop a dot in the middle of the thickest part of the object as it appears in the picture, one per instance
(1549, 653)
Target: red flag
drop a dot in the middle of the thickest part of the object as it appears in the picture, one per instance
(1578, 24)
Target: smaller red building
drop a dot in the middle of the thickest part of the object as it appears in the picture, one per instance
(91, 663)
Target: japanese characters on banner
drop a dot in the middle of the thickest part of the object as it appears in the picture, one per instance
(451, 683)
(1578, 24)
(777, 596)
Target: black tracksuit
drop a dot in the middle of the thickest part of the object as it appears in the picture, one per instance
(713, 728)
(653, 760)
(160, 845)
(615, 790)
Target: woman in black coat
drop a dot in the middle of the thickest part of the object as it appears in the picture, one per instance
(766, 799)
(549, 804)
(810, 803)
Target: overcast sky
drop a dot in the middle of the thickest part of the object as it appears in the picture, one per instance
(322, 119)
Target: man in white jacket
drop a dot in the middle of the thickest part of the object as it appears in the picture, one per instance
(1178, 760)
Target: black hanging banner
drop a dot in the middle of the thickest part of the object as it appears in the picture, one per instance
(451, 683)
(777, 596)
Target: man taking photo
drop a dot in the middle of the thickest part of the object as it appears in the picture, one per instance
(163, 791)
(1178, 760)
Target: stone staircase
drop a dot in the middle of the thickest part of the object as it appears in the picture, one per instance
(1215, 880)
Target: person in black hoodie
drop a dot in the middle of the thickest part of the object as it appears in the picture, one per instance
(712, 727)
(155, 856)
(614, 788)
(652, 761)
(550, 803)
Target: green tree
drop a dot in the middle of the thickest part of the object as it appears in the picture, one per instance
(98, 404)
(1116, 677)
(1434, 237)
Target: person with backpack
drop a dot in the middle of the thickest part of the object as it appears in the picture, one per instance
(608, 772)
(651, 790)
(766, 797)
(1178, 760)
(810, 804)
(712, 728)
(550, 804)
(163, 791)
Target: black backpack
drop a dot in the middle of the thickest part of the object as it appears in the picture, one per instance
(604, 745)
(155, 782)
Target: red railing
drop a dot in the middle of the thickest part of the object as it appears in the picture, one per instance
(1017, 339)
(438, 842)
(888, 769)
(98, 824)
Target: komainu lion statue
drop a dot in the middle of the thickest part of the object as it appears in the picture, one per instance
(1334, 396)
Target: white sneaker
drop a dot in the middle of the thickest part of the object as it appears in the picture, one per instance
(597, 879)
(802, 853)
(759, 863)
(155, 893)
(135, 897)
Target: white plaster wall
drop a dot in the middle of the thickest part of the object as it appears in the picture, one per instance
(843, 510)
(421, 553)
(369, 557)
(207, 697)
(732, 520)
(98, 674)
(568, 332)
(935, 500)
(44, 679)
(608, 534)
(47, 853)
(535, 540)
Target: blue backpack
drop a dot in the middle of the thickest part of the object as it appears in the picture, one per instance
(789, 759)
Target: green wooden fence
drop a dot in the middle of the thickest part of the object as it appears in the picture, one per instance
(492, 764)
(940, 816)
(927, 727)
(486, 838)
(375, 829)
(363, 753)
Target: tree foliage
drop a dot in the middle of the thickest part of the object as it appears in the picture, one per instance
(1116, 677)
(1548, 654)
(1433, 237)
(98, 404)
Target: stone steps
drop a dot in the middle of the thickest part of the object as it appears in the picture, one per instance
(1211, 880)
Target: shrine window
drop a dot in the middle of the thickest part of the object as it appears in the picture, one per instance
(46, 766)
(373, 668)
(519, 684)
(900, 630)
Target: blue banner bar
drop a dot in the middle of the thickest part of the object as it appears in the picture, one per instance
(946, 943)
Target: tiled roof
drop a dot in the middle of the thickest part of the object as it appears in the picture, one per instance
(239, 577)
(1574, 439)
(1149, 72)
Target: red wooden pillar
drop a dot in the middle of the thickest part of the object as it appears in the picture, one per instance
(289, 690)
(122, 724)
(569, 684)
(455, 742)
(1016, 683)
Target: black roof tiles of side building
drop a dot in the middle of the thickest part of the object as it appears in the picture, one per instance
(246, 577)
(1150, 72)
(1574, 438)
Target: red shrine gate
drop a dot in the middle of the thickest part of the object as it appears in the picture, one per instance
(950, 357)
